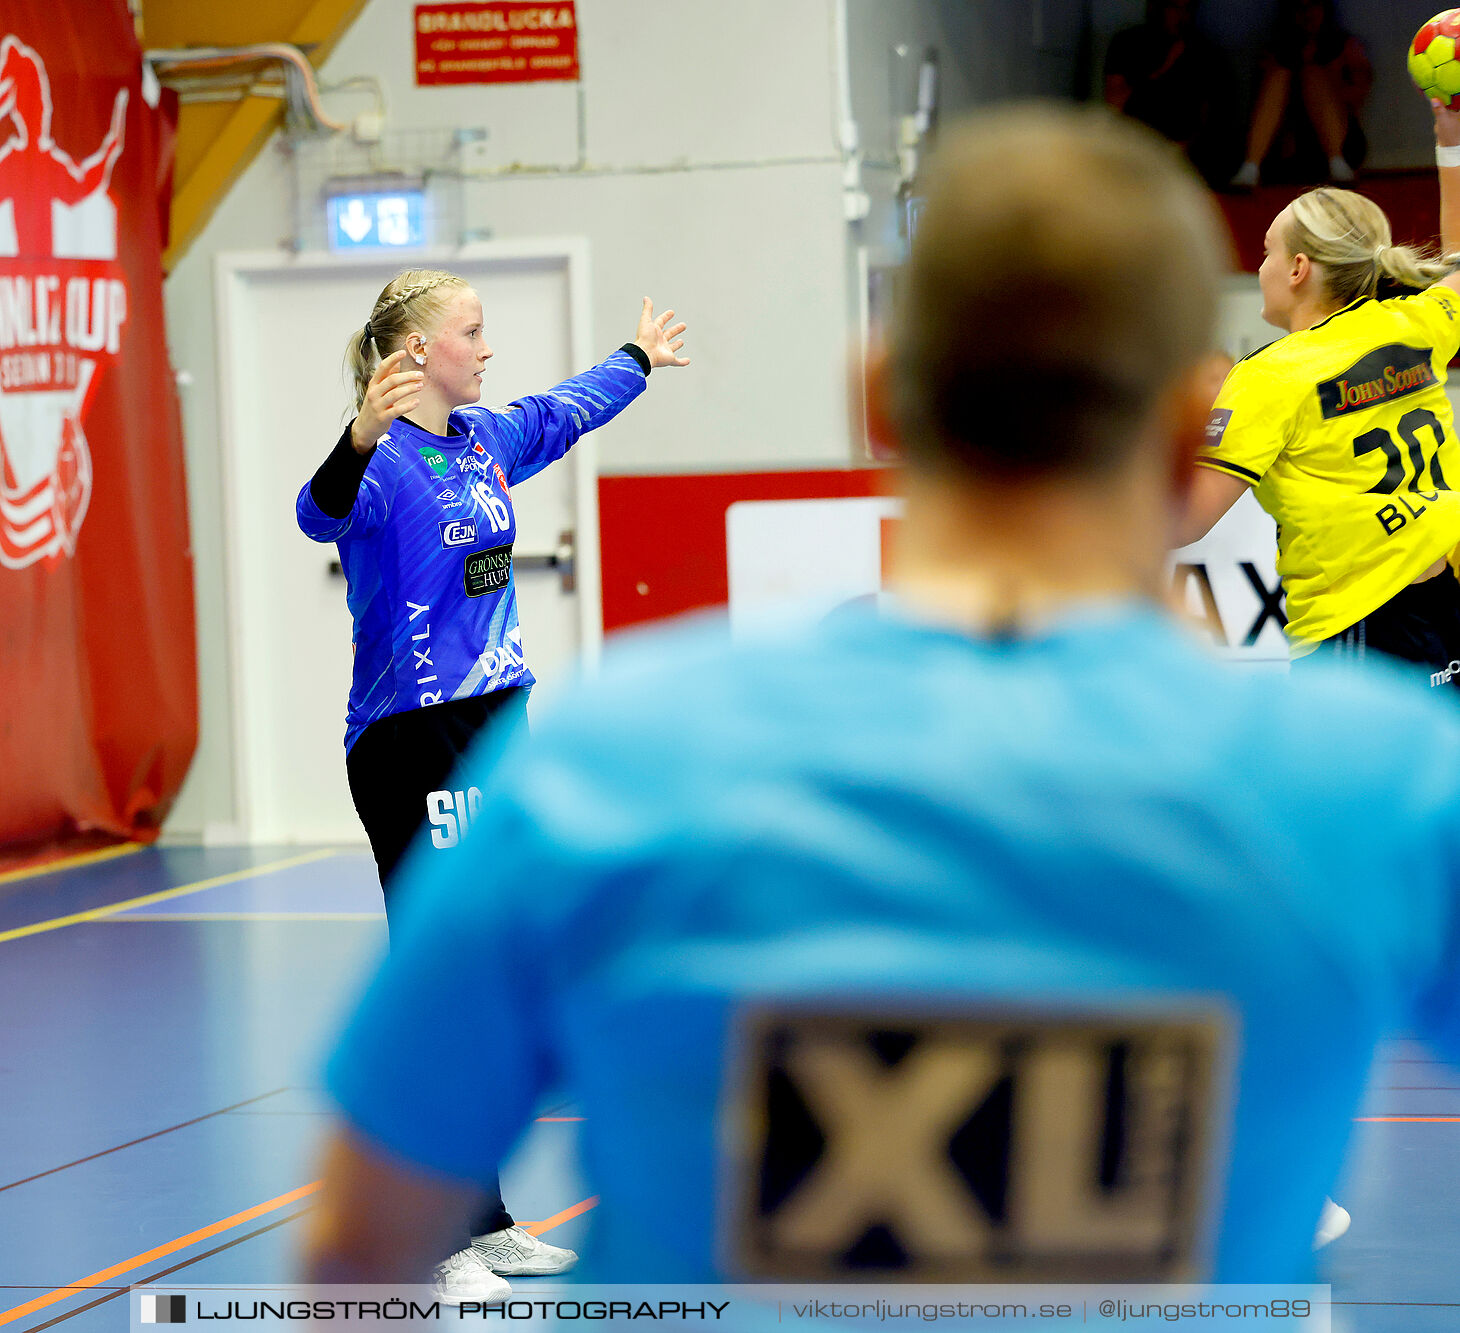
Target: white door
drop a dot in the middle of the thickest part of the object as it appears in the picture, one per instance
(283, 325)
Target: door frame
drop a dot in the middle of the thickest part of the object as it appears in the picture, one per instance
(232, 272)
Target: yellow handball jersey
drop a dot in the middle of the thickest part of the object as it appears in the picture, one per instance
(1347, 437)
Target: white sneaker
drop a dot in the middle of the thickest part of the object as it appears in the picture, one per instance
(518, 1253)
(1332, 1223)
(466, 1276)
(1245, 177)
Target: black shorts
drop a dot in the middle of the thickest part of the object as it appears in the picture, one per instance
(1420, 624)
(400, 770)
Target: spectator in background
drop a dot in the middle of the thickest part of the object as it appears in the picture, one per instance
(1166, 74)
(1315, 76)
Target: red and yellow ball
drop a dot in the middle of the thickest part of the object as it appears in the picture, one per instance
(1434, 58)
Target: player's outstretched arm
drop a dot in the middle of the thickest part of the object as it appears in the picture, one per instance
(1447, 136)
(659, 342)
(392, 393)
(1212, 494)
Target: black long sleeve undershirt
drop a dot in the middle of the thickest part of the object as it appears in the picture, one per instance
(337, 482)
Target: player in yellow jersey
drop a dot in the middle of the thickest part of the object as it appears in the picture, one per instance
(1343, 431)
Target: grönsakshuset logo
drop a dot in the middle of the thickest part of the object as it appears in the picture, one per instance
(63, 302)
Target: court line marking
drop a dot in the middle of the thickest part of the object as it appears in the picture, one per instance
(114, 1292)
(144, 917)
(216, 1228)
(1408, 1119)
(158, 1252)
(72, 862)
(557, 1219)
(96, 913)
(132, 1143)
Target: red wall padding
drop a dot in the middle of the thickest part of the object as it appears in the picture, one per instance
(663, 537)
(98, 681)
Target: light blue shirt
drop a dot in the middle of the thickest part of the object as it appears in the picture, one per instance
(884, 814)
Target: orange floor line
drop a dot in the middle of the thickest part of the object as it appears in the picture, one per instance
(1408, 1119)
(181, 1243)
(557, 1219)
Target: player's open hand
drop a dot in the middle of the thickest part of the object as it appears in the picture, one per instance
(392, 393)
(1447, 123)
(661, 341)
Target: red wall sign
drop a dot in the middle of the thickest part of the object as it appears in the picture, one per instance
(497, 41)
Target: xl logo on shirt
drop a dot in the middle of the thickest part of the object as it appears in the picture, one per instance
(458, 532)
(939, 1149)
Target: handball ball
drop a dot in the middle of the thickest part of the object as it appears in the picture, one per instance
(1434, 61)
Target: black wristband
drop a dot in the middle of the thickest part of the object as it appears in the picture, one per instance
(337, 482)
(639, 355)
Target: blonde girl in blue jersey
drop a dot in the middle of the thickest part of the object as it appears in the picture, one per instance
(1343, 431)
(417, 495)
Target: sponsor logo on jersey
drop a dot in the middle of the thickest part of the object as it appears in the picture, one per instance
(63, 303)
(1380, 377)
(501, 477)
(476, 448)
(972, 1148)
(1217, 424)
(447, 496)
(488, 571)
(503, 663)
(450, 814)
(1446, 676)
(435, 459)
(458, 532)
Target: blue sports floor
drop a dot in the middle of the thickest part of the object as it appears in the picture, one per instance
(162, 1014)
(162, 1017)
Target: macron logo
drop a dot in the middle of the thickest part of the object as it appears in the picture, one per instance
(459, 532)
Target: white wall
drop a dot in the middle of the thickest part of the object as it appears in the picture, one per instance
(700, 160)
(713, 183)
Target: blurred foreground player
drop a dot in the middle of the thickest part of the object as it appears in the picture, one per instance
(1001, 937)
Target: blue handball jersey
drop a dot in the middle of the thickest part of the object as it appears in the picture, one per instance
(427, 547)
(875, 892)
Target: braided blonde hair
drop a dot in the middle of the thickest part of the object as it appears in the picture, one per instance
(409, 302)
(1351, 238)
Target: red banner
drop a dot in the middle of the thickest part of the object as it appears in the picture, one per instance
(498, 41)
(98, 717)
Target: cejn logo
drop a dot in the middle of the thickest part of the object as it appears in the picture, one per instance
(63, 302)
(458, 532)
